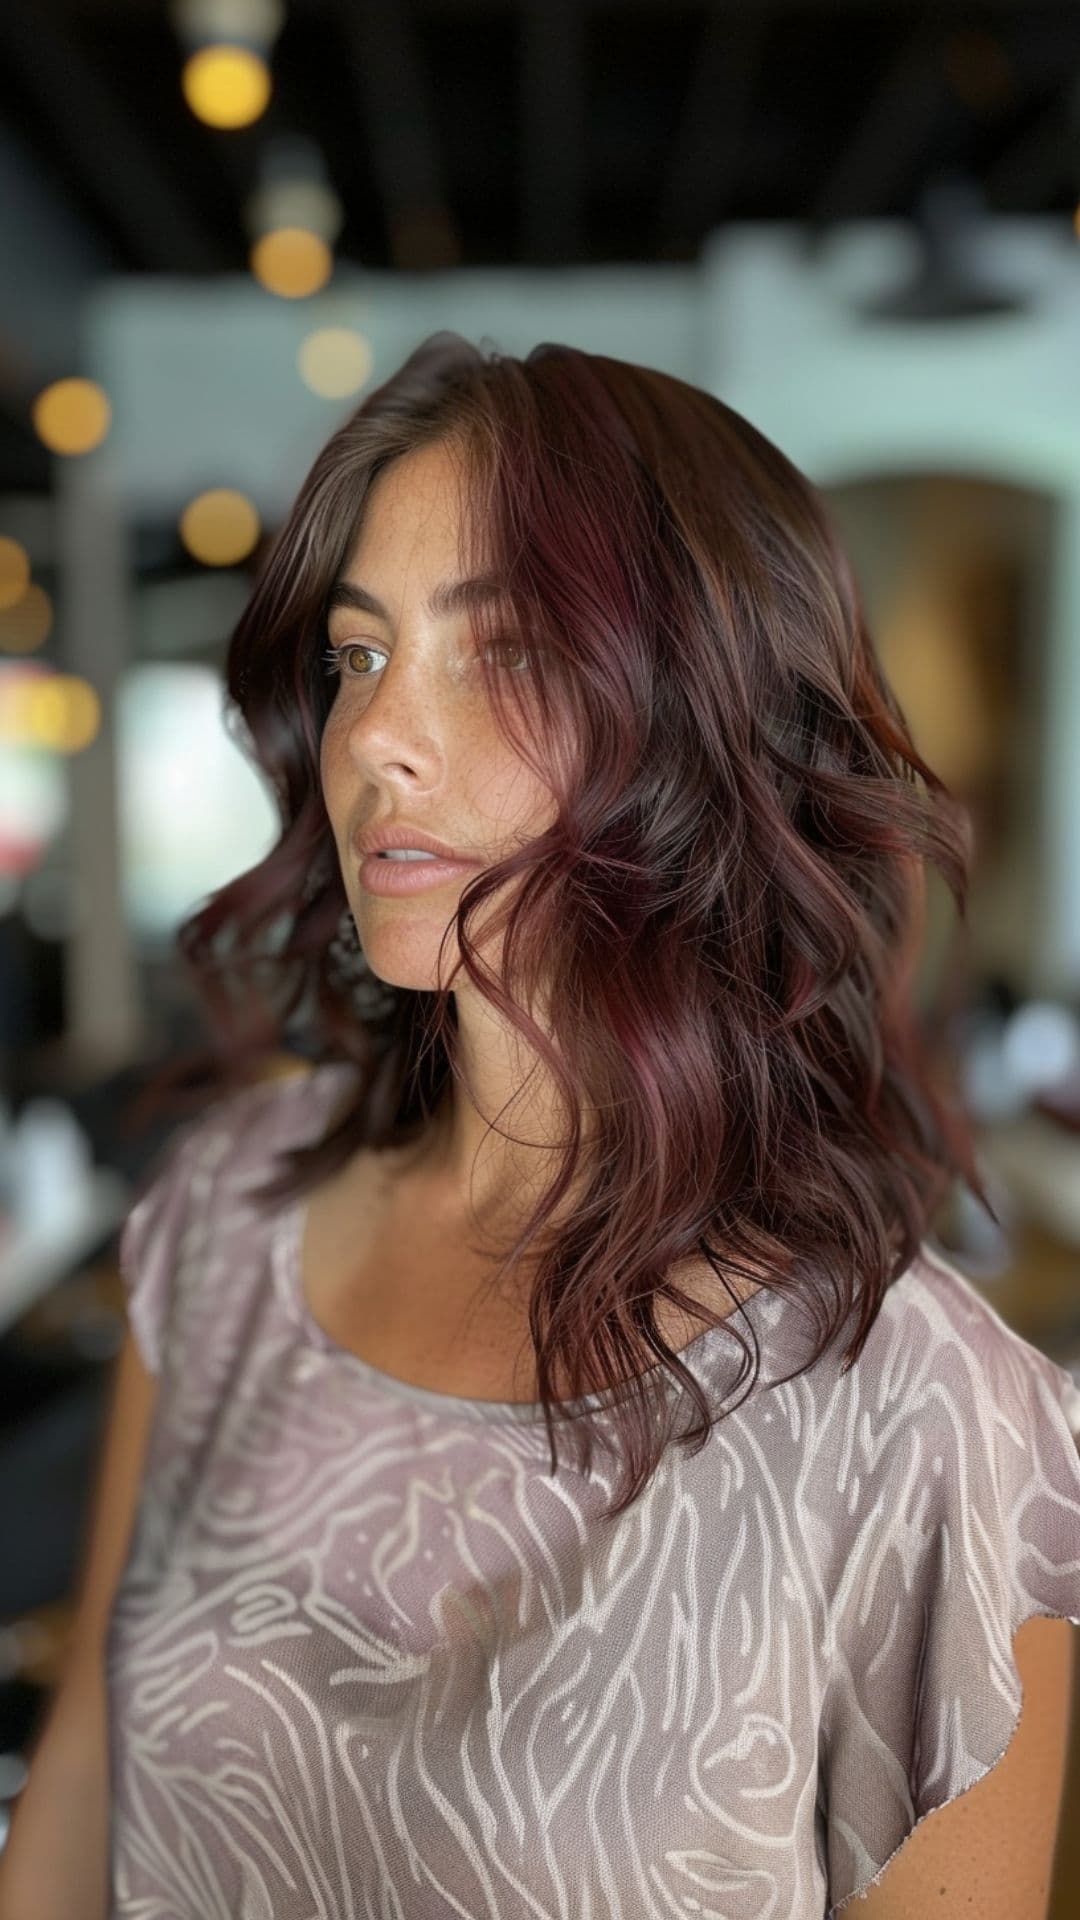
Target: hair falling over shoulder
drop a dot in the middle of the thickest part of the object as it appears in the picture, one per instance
(721, 922)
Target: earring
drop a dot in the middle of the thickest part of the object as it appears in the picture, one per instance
(371, 997)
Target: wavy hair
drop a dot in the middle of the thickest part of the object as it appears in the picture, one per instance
(720, 922)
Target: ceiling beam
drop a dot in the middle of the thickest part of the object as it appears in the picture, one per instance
(89, 129)
(1043, 158)
(551, 90)
(892, 133)
(395, 106)
(951, 10)
(711, 133)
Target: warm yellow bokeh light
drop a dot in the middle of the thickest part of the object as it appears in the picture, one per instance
(25, 624)
(220, 527)
(334, 361)
(63, 713)
(14, 571)
(291, 261)
(71, 416)
(13, 683)
(226, 86)
(50, 712)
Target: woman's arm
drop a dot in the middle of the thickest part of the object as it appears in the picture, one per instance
(991, 1851)
(55, 1861)
(55, 1865)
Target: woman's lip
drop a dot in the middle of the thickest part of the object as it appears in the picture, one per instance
(410, 876)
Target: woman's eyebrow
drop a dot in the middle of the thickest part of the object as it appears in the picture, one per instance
(449, 597)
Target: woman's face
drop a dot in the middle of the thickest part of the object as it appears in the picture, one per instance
(411, 739)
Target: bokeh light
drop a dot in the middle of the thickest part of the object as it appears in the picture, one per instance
(334, 361)
(63, 713)
(220, 527)
(26, 622)
(52, 712)
(226, 86)
(14, 571)
(72, 416)
(292, 262)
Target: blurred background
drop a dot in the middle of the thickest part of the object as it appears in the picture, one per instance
(855, 221)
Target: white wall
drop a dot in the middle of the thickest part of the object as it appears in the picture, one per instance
(203, 381)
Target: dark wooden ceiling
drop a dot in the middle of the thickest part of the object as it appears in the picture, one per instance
(476, 132)
(502, 131)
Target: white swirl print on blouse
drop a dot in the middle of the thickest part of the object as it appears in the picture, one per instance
(376, 1662)
(509, 1718)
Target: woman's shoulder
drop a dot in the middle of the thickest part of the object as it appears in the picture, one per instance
(957, 1449)
(198, 1210)
(245, 1125)
(231, 1143)
(938, 1332)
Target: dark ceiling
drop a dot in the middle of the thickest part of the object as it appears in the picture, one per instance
(479, 132)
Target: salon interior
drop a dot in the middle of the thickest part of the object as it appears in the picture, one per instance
(857, 224)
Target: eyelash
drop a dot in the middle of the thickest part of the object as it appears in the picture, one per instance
(332, 655)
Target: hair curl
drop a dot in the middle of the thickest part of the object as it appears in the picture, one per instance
(720, 920)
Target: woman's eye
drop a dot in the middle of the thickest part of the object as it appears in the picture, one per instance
(516, 654)
(333, 656)
(518, 648)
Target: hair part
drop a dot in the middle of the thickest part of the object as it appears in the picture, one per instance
(717, 929)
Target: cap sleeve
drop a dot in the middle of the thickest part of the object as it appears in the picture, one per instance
(968, 1525)
(149, 1240)
(173, 1201)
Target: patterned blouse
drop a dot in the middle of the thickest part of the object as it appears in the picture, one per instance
(369, 1660)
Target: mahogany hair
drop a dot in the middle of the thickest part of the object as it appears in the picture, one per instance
(720, 924)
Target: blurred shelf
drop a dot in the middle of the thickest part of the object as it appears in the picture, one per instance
(31, 1266)
(1040, 1164)
(34, 1647)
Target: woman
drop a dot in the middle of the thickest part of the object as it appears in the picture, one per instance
(461, 1579)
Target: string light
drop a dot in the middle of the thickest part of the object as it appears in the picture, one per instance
(220, 527)
(226, 76)
(294, 216)
(334, 361)
(14, 571)
(72, 416)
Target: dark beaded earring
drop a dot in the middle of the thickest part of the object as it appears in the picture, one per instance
(371, 996)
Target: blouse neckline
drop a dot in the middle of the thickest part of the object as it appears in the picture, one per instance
(288, 1246)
